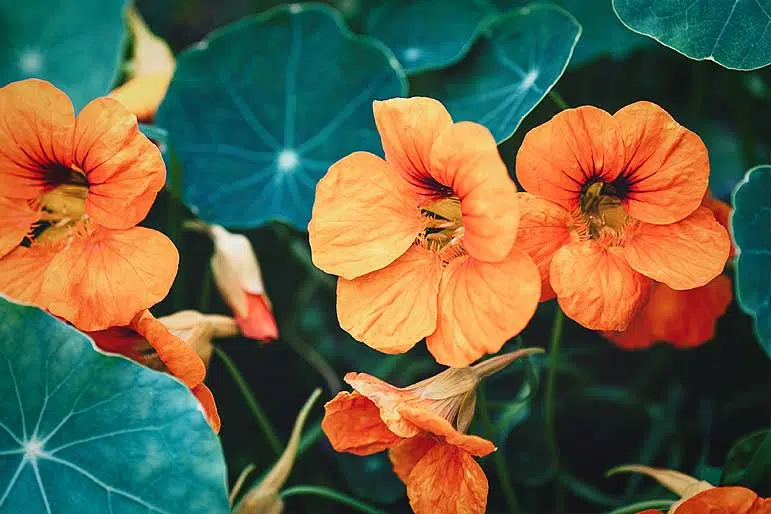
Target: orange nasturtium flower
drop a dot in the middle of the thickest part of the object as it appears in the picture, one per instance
(151, 342)
(71, 192)
(686, 318)
(423, 426)
(613, 204)
(423, 240)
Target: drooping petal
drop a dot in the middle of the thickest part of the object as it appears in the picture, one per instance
(442, 429)
(22, 272)
(408, 128)
(259, 322)
(352, 424)
(392, 309)
(543, 229)
(683, 255)
(36, 130)
(482, 305)
(206, 399)
(16, 219)
(465, 157)
(406, 454)
(388, 399)
(364, 217)
(124, 169)
(560, 157)
(596, 287)
(104, 279)
(719, 500)
(667, 165)
(447, 480)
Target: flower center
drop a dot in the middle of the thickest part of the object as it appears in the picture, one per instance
(602, 212)
(443, 231)
(63, 206)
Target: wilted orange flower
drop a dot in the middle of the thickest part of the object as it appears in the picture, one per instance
(423, 426)
(613, 205)
(684, 318)
(423, 240)
(148, 341)
(71, 192)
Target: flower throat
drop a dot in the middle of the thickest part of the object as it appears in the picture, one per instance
(443, 231)
(601, 212)
(63, 207)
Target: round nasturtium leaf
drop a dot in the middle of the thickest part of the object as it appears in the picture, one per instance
(258, 112)
(511, 68)
(751, 229)
(427, 34)
(77, 46)
(733, 33)
(83, 432)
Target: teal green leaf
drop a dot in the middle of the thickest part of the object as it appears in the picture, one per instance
(77, 46)
(427, 34)
(751, 229)
(733, 33)
(83, 432)
(748, 462)
(511, 69)
(258, 111)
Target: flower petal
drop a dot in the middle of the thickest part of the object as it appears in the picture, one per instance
(392, 309)
(596, 287)
(465, 157)
(543, 229)
(388, 399)
(124, 169)
(683, 255)
(408, 128)
(557, 159)
(258, 323)
(719, 500)
(36, 127)
(103, 280)
(667, 168)
(142, 95)
(352, 424)
(22, 272)
(447, 480)
(16, 219)
(442, 429)
(364, 217)
(406, 454)
(206, 399)
(482, 305)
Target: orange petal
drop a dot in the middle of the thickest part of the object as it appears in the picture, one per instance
(465, 157)
(22, 272)
(352, 424)
(596, 287)
(206, 400)
(259, 322)
(36, 128)
(392, 309)
(683, 255)
(761, 506)
(388, 399)
(667, 168)
(639, 334)
(447, 480)
(442, 429)
(142, 95)
(365, 216)
(178, 356)
(406, 454)
(722, 212)
(543, 229)
(408, 128)
(16, 219)
(124, 169)
(124, 341)
(482, 305)
(104, 279)
(557, 159)
(719, 500)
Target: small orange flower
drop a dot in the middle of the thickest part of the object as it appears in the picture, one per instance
(721, 500)
(148, 341)
(423, 427)
(71, 192)
(423, 240)
(686, 318)
(613, 205)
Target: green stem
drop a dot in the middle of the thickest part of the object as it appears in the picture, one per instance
(204, 304)
(309, 438)
(498, 457)
(549, 407)
(637, 507)
(174, 220)
(251, 401)
(330, 494)
(558, 100)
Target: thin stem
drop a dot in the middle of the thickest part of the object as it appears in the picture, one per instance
(251, 401)
(640, 506)
(330, 494)
(549, 407)
(204, 303)
(558, 100)
(174, 219)
(309, 438)
(498, 458)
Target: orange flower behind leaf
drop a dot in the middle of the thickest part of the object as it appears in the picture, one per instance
(423, 426)
(423, 240)
(148, 341)
(613, 204)
(72, 190)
